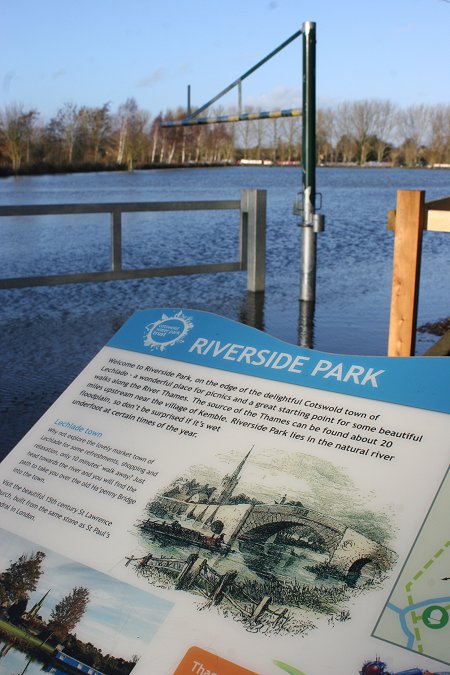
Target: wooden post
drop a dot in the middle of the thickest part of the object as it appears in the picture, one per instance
(189, 572)
(261, 608)
(409, 223)
(281, 618)
(224, 582)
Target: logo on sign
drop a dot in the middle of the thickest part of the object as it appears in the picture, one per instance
(167, 331)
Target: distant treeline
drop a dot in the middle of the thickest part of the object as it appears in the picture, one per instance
(95, 138)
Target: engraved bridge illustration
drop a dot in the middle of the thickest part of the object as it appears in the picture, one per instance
(349, 551)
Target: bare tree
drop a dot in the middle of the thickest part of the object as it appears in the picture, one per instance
(131, 133)
(64, 129)
(439, 145)
(345, 145)
(414, 126)
(274, 139)
(124, 118)
(291, 130)
(245, 134)
(96, 126)
(259, 130)
(350, 132)
(359, 120)
(16, 132)
(173, 136)
(154, 136)
(325, 134)
(385, 115)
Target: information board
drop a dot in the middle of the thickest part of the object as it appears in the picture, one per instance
(205, 498)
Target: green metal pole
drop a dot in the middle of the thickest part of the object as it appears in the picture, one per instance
(308, 266)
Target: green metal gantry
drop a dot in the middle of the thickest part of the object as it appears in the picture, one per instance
(312, 222)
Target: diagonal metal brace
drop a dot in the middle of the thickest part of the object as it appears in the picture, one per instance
(187, 120)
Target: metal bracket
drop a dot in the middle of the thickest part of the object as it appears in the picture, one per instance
(318, 219)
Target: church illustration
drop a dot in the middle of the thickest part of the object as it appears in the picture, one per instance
(218, 518)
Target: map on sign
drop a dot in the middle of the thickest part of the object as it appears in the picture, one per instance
(417, 614)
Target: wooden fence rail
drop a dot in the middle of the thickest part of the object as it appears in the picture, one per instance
(410, 219)
(194, 572)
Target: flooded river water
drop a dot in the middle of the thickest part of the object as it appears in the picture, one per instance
(49, 334)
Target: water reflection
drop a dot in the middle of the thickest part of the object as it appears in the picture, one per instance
(254, 561)
(271, 561)
(71, 323)
(252, 310)
(252, 314)
(15, 662)
(306, 324)
(6, 647)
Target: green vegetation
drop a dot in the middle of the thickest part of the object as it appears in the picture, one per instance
(294, 594)
(9, 631)
(85, 652)
(20, 579)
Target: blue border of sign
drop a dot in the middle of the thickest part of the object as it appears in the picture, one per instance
(420, 382)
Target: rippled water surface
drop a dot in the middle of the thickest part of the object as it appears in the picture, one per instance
(49, 334)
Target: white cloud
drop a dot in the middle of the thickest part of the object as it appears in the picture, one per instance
(59, 73)
(7, 80)
(153, 78)
(279, 98)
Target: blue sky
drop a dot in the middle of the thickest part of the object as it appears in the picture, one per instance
(90, 52)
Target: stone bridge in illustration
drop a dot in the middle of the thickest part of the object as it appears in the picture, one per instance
(349, 550)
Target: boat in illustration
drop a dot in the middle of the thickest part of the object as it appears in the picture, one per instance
(175, 530)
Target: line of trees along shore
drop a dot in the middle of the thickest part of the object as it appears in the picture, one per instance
(81, 137)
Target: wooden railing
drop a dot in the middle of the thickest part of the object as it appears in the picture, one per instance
(252, 253)
(412, 216)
